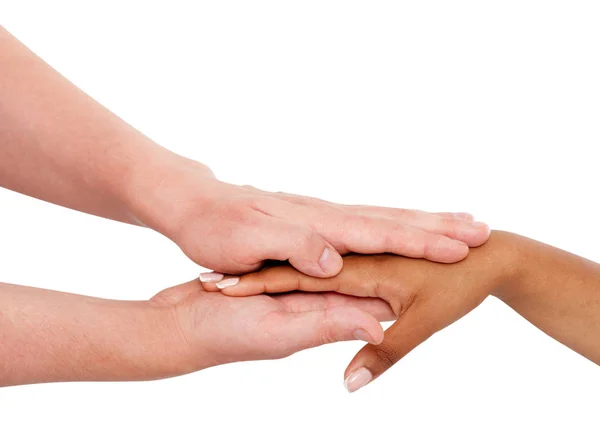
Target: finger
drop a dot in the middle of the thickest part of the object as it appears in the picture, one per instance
(302, 302)
(463, 229)
(409, 331)
(293, 332)
(276, 280)
(209, 280)
(372, 230)
(305, 249)
(458, 226)
(366, 235)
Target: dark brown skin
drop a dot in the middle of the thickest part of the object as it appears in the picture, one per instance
(556, 291)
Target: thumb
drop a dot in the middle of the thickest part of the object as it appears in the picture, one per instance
(409, 331)
(306, 250)
(303, 330)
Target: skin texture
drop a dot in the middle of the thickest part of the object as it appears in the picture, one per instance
(96, 163)
(48, 336)
(556, 291)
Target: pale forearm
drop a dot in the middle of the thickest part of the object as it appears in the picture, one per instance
(48, 336)
(558, 292)
(59, 145)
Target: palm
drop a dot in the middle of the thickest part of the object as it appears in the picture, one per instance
(263, 327)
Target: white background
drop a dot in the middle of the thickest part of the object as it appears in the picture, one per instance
(490, 107)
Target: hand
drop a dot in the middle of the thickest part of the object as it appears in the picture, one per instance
(210, 329)
(425, 296)
(50, 336)
(234, 229)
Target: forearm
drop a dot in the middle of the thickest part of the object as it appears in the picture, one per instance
(59, 145)
(48, 336)
(558, 292)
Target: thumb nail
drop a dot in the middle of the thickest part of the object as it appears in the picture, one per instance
(330, 261)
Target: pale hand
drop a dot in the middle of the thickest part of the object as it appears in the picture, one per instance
(234, 229)
(207, 329)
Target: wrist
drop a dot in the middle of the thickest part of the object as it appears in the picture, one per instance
(157, 349)
(125, 341)
(161, 184)
(509, 251)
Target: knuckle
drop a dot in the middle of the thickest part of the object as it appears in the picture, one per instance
(307, 238)
(449, 225)
(386, 355)
(410, 243)
(390, 242)
(237, 214)
(327, 331)
(359, 222)
(327, 336)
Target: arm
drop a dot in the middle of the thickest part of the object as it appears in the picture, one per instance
(556, 291)
(59, 145)
(48, 336)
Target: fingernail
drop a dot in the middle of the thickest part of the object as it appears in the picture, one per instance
(330, 262)
(210, 277)
(358, 379)
(361, 334)
(482, 226)
(228, 282)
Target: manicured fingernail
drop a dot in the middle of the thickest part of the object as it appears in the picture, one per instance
(228, 282)
(358, 379)
(330, 261)
(361, 334)
(210, 277)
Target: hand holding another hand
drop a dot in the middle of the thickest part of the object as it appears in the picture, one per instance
(425, 296)
(205, 329)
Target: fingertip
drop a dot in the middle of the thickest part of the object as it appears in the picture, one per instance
(209, 286)
(483, 232)
(379, 336)
(241, 289)
(461, 250)
(474, 234)
(209, 281)
(373, 336)
(358, 379)
(210, 277)
(352, 323)
(330, 262)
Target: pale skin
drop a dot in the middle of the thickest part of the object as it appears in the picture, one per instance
(94, 162)
(59, 145)
(48, 336)
(556, 291)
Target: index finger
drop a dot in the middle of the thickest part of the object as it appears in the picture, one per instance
(282, 279)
